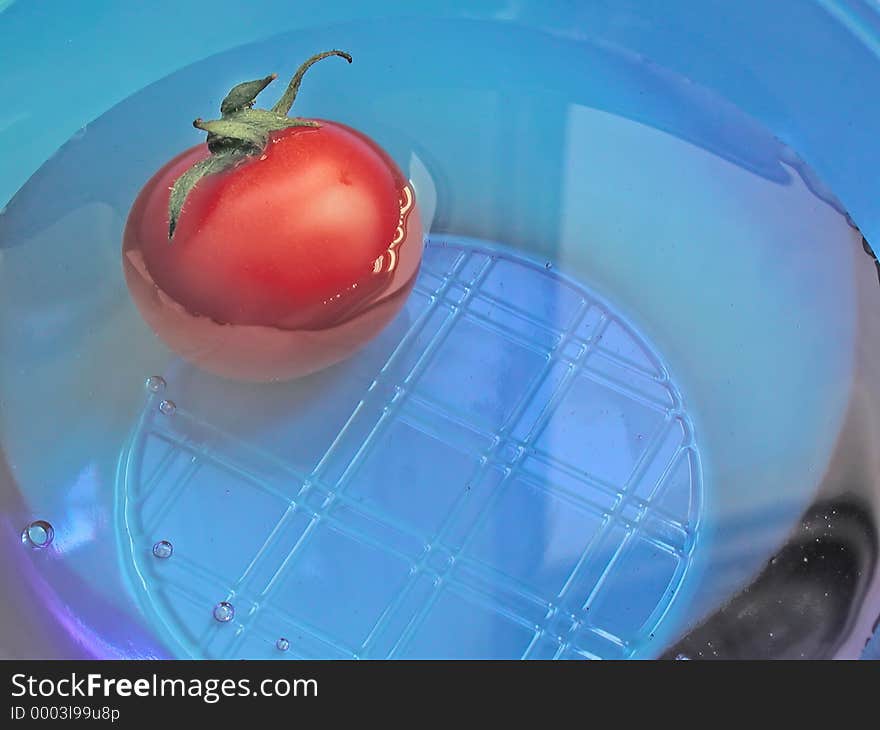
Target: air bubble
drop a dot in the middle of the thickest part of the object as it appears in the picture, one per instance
(682, 658)
(224, 612)
(548, 265)
(155, 384)
(38, 534)
(282, 644)
(163, 549)
(167, 407)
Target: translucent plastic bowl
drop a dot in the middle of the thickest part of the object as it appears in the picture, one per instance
(765, 546)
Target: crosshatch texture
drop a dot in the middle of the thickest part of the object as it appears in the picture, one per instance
(519, 480)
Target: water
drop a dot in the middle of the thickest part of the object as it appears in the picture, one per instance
(155, 384)
(224, 612)
(567, 185)
(163, 549)
(38, 534)
(167, 407)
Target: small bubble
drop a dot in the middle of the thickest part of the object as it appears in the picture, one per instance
(682, 657)
(224, 612)
(163, 549)
(155, 384)
(548, 265)
(38, 534)
(282, 644)
(167, 407)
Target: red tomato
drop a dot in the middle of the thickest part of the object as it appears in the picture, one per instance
(287, 260)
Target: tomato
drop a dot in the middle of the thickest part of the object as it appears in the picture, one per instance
(276, 249)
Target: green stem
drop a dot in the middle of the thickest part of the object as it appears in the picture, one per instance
(243, 96)
(286, 101)
(241, 131)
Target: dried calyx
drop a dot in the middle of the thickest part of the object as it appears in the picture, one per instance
(241, 131)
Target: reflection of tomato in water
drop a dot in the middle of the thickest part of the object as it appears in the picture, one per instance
(279, 247)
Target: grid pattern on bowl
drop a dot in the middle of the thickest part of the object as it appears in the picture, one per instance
(587, 433)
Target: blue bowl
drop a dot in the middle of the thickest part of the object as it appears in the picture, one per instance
(629, 410)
